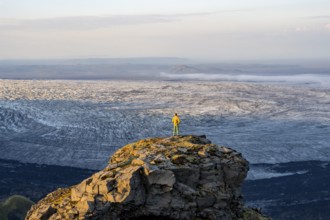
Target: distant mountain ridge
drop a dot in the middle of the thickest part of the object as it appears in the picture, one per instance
(144, 68)
(99, 61)
(183, 69)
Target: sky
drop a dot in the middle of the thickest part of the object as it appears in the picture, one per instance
(196, 29)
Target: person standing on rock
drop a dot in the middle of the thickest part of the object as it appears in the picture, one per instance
(176, 122)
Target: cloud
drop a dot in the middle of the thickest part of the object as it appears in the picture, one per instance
(84, 22)
(91, 22)
(96, 22)
(317, 79)
(317, 17)
(327, 26)
(301, 29)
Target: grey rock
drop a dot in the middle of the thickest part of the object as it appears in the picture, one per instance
(182, 177)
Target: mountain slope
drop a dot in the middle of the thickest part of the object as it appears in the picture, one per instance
(14, 207)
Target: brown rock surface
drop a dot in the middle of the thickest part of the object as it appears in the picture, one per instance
(182, 177)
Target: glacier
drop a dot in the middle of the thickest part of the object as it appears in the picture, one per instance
(81, 123)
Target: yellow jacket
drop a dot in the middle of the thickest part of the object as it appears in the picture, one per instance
(176, 120)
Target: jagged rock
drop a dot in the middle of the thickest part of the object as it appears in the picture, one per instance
(182, 177)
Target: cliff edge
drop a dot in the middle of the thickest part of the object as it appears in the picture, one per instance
(181, 177)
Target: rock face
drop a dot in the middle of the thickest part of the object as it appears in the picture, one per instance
(182, 177)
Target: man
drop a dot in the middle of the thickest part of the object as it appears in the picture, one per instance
(176, 122)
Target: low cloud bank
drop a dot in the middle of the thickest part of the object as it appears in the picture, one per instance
(319, 79)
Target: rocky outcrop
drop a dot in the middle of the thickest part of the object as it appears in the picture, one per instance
(182, 177)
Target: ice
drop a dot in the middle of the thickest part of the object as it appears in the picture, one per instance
(81, 123)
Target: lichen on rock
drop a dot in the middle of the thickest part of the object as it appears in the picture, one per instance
(181, 177)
